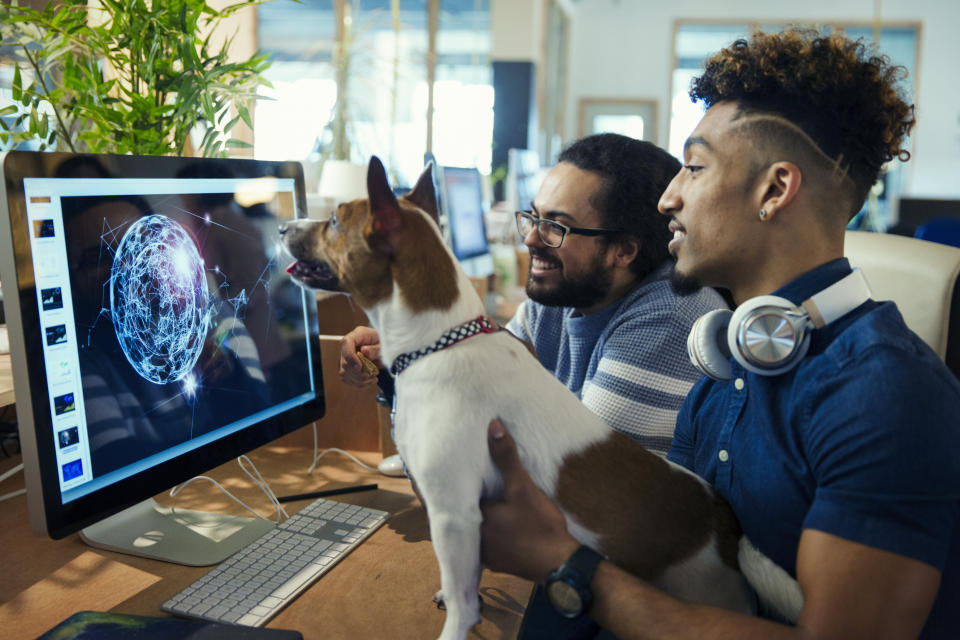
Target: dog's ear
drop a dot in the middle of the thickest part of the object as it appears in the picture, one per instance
(424, 195)
(385, 219)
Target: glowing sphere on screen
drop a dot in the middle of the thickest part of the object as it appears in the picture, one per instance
(159, 300)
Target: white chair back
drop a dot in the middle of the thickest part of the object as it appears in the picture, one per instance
(921, 278)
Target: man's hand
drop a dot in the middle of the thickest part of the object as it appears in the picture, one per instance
(850, 590)
(523, 532)
(366, 341)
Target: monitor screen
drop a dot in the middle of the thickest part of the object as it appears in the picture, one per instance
(524, 175)
(463, 206)
(154, 332)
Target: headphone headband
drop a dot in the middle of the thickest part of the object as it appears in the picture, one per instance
(838, 299)
(769, 335)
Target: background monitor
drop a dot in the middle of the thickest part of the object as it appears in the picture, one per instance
(154, 335)
(524, 175)
(462, 203)
(914, 212)
(463, 209)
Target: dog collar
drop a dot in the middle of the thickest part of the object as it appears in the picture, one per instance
(480, 324)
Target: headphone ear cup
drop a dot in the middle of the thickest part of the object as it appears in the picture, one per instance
(707, 344)
(761, 325)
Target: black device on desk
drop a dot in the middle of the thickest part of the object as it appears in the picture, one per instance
(154, 335)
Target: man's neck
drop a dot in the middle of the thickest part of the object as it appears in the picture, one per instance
(780, 268)
(618, 291)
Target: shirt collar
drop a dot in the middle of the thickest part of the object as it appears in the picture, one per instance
(814, 281)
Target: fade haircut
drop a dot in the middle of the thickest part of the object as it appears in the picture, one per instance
(844, 100)
(634, 176)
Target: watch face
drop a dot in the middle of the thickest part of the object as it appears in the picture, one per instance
(564, 598)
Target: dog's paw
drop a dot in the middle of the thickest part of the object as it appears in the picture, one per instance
(438, 600)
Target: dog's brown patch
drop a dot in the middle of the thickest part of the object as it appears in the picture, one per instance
(422, 267)
(373, 244)
(728, 531)
(364, 274)
(633, 528)
(398, 230)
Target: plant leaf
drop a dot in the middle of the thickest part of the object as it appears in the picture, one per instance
(17, 86)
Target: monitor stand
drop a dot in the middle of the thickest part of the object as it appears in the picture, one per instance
(181, 536)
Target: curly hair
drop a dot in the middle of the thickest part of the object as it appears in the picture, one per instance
(844, 99)
(635, 173)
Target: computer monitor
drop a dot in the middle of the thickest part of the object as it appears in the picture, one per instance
(524, 175)
(914, 212)
(463, 208)
(154, 335)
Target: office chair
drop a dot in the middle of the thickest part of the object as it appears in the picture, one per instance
(921, 277)
(942, 230)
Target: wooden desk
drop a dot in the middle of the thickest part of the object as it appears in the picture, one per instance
(382, 589)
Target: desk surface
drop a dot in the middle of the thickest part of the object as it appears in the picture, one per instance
(381, 589)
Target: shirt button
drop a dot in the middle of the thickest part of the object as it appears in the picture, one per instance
(738, 384)
(723, 455)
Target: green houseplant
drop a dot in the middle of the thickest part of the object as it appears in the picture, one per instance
(131, 76)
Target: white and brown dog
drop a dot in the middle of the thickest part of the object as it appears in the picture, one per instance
(648, 516)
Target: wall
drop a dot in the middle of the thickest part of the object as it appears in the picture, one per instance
(623, 48)
(515, 30)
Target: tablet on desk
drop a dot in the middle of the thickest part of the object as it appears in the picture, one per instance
(120, 626)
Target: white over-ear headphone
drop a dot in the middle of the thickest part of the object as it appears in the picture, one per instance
(769, 335)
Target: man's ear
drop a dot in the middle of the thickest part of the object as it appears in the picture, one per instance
(778, 186)
(424, 195)
(385, 212)
(625, 250)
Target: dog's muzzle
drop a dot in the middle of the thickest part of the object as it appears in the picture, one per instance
(315, 275)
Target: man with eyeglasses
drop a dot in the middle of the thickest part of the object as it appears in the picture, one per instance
(600, 309)
(601, 312)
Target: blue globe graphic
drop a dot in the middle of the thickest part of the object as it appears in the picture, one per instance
(159, 300)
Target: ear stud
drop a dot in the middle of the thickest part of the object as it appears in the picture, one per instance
(763, 214)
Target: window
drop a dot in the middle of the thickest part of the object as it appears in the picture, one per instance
(384, 84)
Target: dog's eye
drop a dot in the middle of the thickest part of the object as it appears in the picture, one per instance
(334, 221)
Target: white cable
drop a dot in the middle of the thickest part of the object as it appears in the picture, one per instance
(319, 454)
(9, 473)
(259, 481)
(12, 494)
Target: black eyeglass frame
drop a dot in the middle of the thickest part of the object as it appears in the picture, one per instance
(536, 221)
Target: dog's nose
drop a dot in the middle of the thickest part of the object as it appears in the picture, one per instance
(283, 228)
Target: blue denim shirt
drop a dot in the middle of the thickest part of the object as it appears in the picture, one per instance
(860, 440)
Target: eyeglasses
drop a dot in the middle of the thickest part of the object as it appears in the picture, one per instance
(552, 233)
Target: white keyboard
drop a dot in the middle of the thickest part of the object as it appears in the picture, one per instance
(254, 584)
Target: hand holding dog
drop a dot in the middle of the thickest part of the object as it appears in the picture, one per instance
(365, 340)
(523, 532)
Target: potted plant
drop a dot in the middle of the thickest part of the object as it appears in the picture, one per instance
(129, 76)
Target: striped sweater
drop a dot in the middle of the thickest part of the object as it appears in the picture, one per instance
(628, 362)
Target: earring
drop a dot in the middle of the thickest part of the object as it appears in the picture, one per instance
(763, 214)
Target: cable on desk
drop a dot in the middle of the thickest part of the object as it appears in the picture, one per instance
(317, 454)
(7, 474)
(257, 480)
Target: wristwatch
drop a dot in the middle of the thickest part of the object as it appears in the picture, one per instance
(568, 588)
